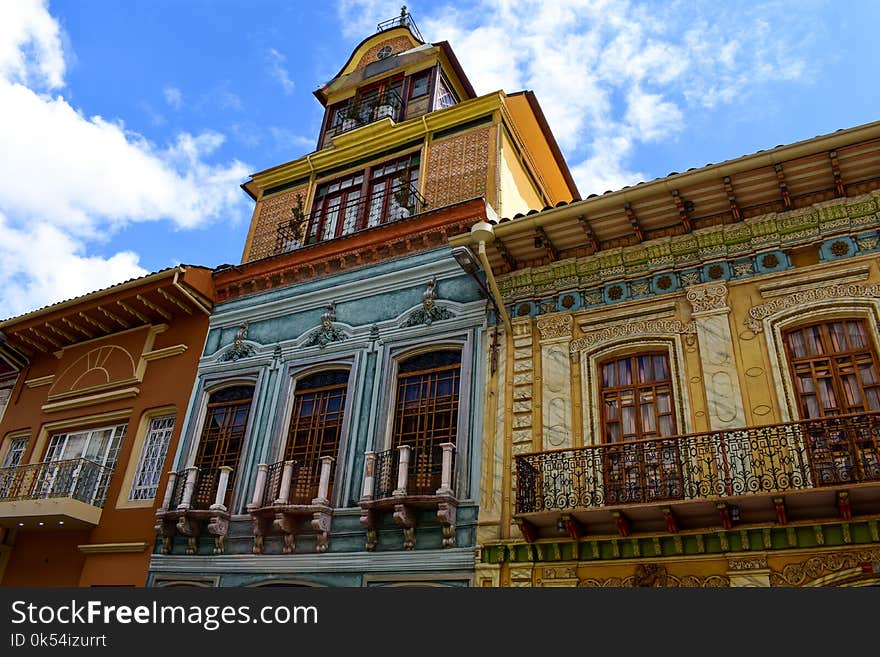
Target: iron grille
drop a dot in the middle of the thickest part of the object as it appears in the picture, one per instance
(78, 479)
(769, 459)
(385, 474)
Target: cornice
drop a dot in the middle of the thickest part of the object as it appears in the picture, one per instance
(375, 138)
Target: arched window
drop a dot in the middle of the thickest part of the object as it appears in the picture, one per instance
(315, 428)
(221, 440)
(426, 413)
(637, 405)
(834, 368)
(835, 371)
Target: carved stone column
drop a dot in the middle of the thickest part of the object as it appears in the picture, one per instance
(555, 332)
(723, 394)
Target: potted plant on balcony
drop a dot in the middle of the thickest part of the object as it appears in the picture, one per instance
(385, 106)
(352, 116)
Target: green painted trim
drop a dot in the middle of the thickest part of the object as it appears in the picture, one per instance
(726, 243)
(829, 534)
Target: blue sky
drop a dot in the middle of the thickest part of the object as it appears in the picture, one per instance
(128, 126)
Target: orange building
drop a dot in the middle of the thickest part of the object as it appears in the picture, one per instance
(97, 406)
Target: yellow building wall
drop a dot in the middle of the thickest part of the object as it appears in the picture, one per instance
(544, 395)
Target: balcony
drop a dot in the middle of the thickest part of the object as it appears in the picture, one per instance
(368, 108)
(338, 220)
(404, 481)
(780, 473)
(195, 503)
(287, 494)
(58, 494)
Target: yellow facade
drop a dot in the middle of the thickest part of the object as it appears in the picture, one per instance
(741, 491)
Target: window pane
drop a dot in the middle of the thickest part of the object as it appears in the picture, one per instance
(624, 370)
(152, 459)
(796, 344)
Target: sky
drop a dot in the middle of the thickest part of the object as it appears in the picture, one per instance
(126, 128)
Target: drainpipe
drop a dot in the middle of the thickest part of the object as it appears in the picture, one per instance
(481, 233)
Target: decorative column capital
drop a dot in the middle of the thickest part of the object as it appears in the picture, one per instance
(708, 299)
(555, 326)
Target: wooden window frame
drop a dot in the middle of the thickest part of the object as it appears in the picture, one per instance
(833, 358)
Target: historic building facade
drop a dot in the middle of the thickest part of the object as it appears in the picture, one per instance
(334, 433)
(689, 391)
(104, 381)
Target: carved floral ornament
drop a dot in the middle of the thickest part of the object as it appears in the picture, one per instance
(327, 333)
(708, 298)
(555, 326)
(430, 311)
(808, 298)
(800, 574)
(637, 329)
(656, 575)
(239, 348)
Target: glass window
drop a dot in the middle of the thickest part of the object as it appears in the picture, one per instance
(15, 452)
(222, 439)
(637, 413)
(315, 428)
(426, 414)
(419, 85)
(834, 368)
(152, 459)
(445, 97)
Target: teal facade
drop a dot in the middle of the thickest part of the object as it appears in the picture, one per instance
(379, 320)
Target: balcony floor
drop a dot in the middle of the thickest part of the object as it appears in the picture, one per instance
(55, 513)
(703, 513)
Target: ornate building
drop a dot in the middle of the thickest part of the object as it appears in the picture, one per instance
(690, 388)
(98, 404)
(333, 436)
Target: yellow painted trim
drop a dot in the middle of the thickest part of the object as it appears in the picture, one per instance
(379, 37)
(73, 423)
(93, 389)
(377, 137)
(111, 548)
(122, 501)
(78, 402)
(40, 381)
(59, 506)
(156, 354)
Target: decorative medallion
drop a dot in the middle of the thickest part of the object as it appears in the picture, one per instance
(664, 282)
(567, 301)
(430, 311)
(239, 348)
(523, 309)
(327, 333)
(615, 293)
(839, 248)
(715, 271)
(770, 261)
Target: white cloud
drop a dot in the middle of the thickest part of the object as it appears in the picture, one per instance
(173, 96)
(68, 180)
(278, 71)
(612, 74)
(286, 139)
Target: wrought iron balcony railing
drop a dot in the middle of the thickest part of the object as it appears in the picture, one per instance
(405, 20)
(403, 471)
(78, 479)
(367, 108)
(769, 459)
(289, 483)
(326, 222)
